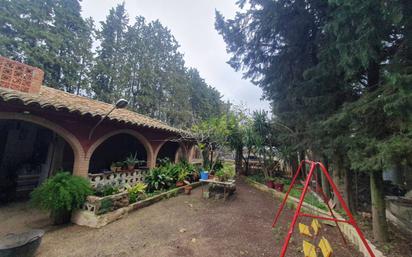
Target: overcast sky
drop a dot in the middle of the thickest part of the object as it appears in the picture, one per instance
(192, 24)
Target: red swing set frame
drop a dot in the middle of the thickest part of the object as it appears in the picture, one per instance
(298, 213)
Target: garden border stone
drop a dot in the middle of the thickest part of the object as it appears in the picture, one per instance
(90, 219)
(348, 230)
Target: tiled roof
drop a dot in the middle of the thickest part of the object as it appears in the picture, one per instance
(50, 98)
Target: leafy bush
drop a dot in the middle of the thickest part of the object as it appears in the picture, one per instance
(62, 192)
(182, 175)
(229, 171)
(106, 190)
(218, 165)
(226, 172)
(158, 179)
(106, 206)
(172, 170)
(136, 192)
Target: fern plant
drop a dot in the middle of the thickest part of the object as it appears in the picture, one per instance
(61, 194)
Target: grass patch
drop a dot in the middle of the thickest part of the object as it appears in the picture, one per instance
(295, 192)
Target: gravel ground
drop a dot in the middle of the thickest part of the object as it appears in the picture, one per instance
(189, 226)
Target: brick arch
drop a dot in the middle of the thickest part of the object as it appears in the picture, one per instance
(79, 165)
(181, 146)
(146, 144)
(191, 152)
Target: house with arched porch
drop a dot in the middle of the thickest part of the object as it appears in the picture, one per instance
(43, 129)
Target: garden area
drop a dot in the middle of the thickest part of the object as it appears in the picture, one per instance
(112, 142)
(186, 225)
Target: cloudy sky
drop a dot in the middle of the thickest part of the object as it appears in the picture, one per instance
(192, 24)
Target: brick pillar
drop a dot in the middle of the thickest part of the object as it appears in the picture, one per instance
(20, 77)
(81, 166)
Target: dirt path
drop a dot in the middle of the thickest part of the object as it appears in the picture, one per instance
(186, 226)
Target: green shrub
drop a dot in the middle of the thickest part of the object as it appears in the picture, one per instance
(172, 171)
(105, 206)
(136, 192)
(218, 165)
(106, 190)
(158, 179)
(190, 168)
(61, 193)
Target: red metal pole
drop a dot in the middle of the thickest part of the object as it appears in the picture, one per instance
(345, 207)
(282, 205)
(326, 201)
(295, 217)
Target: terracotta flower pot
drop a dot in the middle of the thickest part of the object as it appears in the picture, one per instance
(180, 183)
(278, 187)
(130, 167)
(270, 184)
(188, 189)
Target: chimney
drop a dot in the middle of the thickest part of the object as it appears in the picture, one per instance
(21, 77)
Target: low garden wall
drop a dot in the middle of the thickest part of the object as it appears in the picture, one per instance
(100, 205)
(348, 230)
(118, 178)
(100, 211)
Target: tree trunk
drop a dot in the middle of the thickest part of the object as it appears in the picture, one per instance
(348, 195)
(247, 162)
(205, 154)
(336, 176)
(301, 157)
(380, 227)
(211, 158)
(238, 160)
(325, 182)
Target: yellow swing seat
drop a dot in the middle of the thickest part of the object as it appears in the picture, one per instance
(315, 226)
(309, 249)
(325, 247)
(304, 230)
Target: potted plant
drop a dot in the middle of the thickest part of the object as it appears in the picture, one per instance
(131, 161)
(194, 176)
(113, 167)
(220, 175)
(119, 166)
(60, 195)
(278, 184)
(188, 189)
(181, 177)
(269, 183)
(204, 175)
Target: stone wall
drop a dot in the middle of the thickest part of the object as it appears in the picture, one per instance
(105, 204)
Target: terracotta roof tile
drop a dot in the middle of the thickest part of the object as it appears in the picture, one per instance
(60, 100)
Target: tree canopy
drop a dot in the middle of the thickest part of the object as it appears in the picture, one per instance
(338, 75)
(121, 57)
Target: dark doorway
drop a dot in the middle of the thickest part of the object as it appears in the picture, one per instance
(116, 149)
(29, 154)
(168, 151)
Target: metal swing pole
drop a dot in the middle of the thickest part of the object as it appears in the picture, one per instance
(296, 216)
(325, 199)
(287, 193)
(345, 207)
